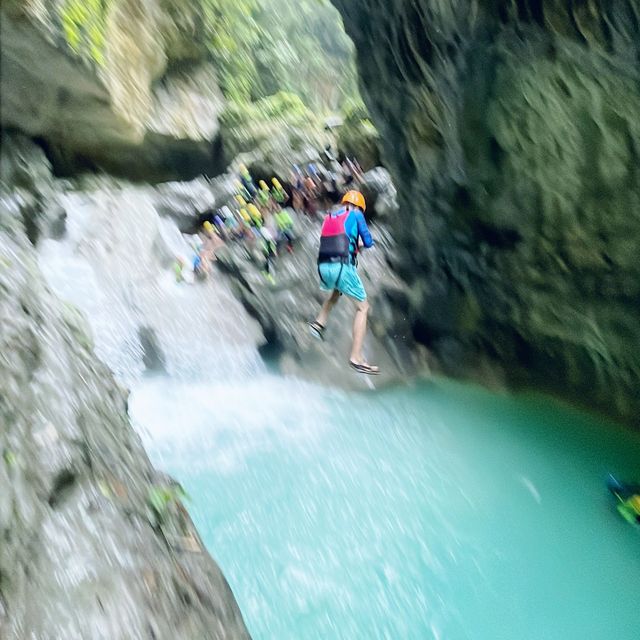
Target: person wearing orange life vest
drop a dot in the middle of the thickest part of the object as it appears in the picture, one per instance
(342, 231)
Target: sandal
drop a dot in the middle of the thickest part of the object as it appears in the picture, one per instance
(317, 330)
(369, 369)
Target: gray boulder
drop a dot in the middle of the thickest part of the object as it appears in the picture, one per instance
(114, 96)
(26, 171)
(380, 193)
(185, 202)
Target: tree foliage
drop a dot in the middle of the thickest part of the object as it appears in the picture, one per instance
(260, 47)
(296, 46)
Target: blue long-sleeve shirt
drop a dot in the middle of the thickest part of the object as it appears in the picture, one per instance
(356, 227)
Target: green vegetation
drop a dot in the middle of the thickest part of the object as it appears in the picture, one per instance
(281, 64)
(83, 23)
(266, 46)
(275, 122)
(162, 499)
(260, 47)
(358, 137)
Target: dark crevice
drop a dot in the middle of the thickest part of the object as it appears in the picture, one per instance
(606, 34)
(495, 152)
(564, 87)
(499, 237)
(576, 27)
(537, 11)
(423, 44)
(422, 334)
(523, 352)
(462, 200)
(29, 217)
(62, 487)
(159, 158)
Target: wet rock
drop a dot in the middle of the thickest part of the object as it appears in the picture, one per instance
(187, 104)
(271, 134)
(119, 98)
(152, 355)
(510, 130)
(186, 202)
(358, 138)
(26, 172)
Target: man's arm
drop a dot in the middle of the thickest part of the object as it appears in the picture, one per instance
(363, 230)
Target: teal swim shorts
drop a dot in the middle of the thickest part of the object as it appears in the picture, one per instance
(343, 277)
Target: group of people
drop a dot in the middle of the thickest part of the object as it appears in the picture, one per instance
(258, 219)
(261, 220)
(320, 186)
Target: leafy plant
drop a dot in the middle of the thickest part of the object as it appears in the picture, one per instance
(83, 23)
(161, 498)
(9, 457)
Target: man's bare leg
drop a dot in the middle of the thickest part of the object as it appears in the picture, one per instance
(359, 331)
(329, 303)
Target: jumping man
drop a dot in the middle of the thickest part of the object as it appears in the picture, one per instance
(341, 232)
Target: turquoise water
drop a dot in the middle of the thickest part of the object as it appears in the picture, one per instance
(433, 511)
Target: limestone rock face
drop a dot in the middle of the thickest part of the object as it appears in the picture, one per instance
(26, 173)
(511, 130)
(114, 93)
(87, 550)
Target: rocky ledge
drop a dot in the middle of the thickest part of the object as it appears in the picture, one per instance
(134, 95)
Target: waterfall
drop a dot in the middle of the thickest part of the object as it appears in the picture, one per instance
(114, 264)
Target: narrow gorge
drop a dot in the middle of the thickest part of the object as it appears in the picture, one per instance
(146, 423)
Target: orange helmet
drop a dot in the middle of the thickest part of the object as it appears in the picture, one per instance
(355, 198)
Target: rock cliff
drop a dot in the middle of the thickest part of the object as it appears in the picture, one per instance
(512, 134)
(124, 86)
(95, 543)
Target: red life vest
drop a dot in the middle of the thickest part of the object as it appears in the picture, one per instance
(335, 243)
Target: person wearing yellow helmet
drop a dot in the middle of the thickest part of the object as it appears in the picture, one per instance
(269, 251)
(241, 190)
(211, 243)
(278, 194)
(630, 508)
(284, 223)
(263, 196)
(247, 180)
(256, 216)
(245, 226)
(342, 231)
